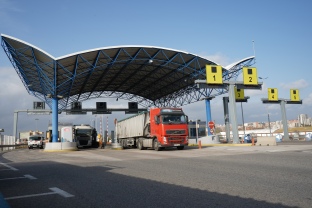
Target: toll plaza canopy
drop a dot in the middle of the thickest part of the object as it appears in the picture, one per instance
(151, 76)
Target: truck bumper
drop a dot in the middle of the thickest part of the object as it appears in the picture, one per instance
(35, 146)
(84, 143)
(173, 145)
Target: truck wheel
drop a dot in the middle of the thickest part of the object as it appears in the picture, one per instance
(140, 146)
(156, 147)
(180, 147)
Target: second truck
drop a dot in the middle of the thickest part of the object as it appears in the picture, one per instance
(158, 128)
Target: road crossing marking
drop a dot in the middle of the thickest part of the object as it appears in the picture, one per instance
(54, 190)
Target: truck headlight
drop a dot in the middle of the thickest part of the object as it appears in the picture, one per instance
(165, 140)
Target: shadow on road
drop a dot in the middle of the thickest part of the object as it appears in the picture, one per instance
(98, 186)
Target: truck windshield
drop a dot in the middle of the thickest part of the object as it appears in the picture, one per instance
(173, 119)
(83, 132)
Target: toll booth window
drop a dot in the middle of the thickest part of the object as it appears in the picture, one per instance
(294, 91)
(200, 132)
(249, 71)
(213, 69)
(272, 90)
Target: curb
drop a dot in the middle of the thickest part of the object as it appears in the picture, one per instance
(222, 145)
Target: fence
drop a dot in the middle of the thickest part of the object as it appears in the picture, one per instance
(7, 142)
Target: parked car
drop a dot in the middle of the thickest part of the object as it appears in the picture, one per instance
(36, 141)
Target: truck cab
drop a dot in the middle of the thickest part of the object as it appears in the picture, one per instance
(170, 127)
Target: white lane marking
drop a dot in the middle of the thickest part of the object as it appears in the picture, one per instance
(8, 166)
(30, 177)
(25, 176)
(30, 195)
(5, 170)
(54, 190)
(61, 192)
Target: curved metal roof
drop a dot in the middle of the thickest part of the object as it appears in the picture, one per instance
(151, 76)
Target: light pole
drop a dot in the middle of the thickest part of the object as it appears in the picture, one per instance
(197, 126)
(243, 118)
(269, 123)
(267, 109)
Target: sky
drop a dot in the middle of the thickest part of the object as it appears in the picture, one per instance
(277, 32)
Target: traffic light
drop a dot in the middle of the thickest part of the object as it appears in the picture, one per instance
(132, 105)
(76, 106)
(101, 106)
(39, 105)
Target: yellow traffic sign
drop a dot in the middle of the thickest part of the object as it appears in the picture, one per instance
(250, 76)
(214, 74)
(239, 94)
(272, 94)
(294, 95)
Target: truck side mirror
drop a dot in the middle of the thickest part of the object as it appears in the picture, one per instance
(156, 119)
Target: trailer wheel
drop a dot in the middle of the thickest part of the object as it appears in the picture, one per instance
(156, 147)
(140, 145)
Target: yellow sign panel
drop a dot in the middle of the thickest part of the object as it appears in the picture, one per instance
(272, 94)
(239, 94)
(214, 74)
(294, 95)
(250, 76)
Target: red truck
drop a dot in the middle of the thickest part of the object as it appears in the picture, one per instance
(158, 128)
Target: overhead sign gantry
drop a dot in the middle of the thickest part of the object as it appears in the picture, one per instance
(273, 99)
(214, 80)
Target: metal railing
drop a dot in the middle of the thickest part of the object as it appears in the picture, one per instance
(8, 143)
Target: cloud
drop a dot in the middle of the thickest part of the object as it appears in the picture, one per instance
(308, 101)
(218, 58)
(10, 83)
(299, 84)
(273, 107)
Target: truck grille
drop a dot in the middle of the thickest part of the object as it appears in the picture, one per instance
(83, 142)
(175, 132)
(176, 140)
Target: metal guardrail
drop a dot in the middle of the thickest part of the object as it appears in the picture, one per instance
(12, 146)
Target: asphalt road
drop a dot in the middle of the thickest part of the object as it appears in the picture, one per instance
(259, 176)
